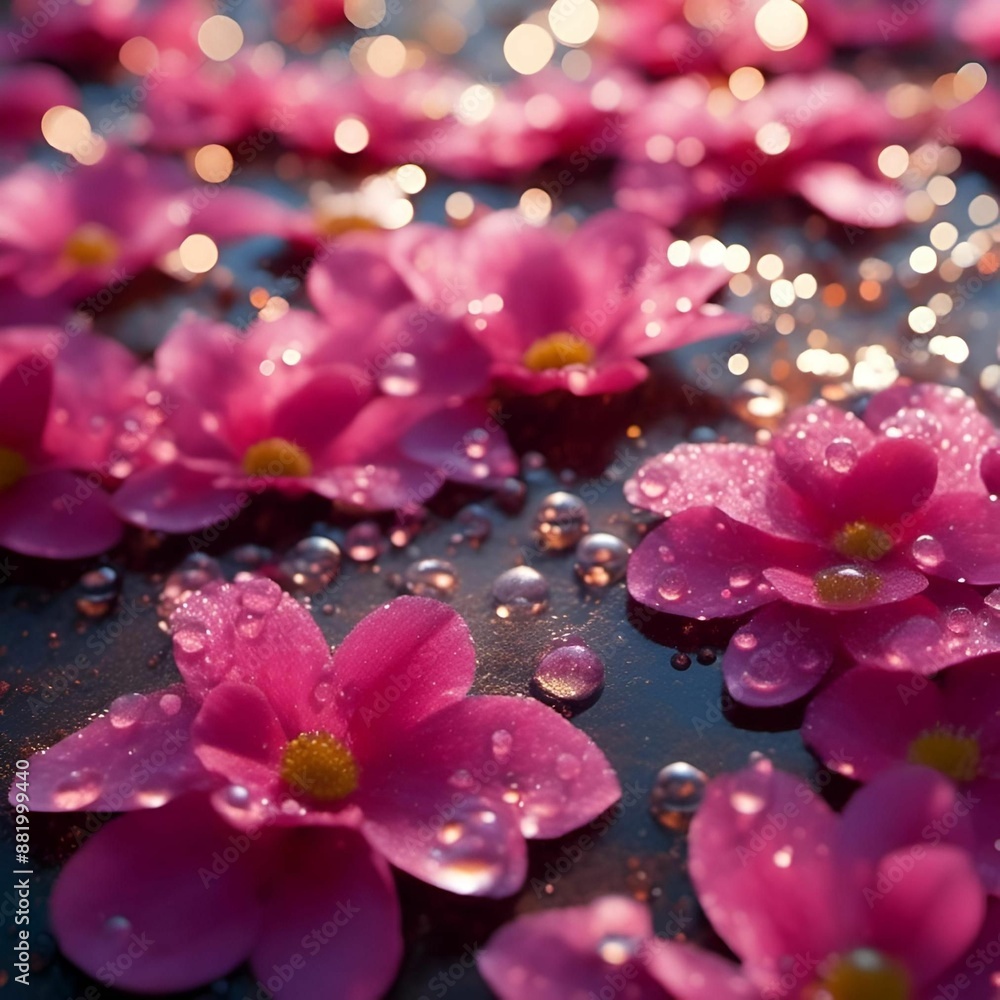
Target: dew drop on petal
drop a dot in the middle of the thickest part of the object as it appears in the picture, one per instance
(190, 639)
(237, 796)
(400, 375)
(78, 790)
(311, 565)
(431, 578)
(927, 551)
(520, 593)
(195, 572)
(561, 521)
(249, 627)
(502, 742)
(126, 710)
(568, 767)
(470, 851)
(601, 559)
(258, 597)
(992, 600)
(841, 455)
(960, 621)
(170, 704)
(677, 793)
(673, 585)
(99, 591)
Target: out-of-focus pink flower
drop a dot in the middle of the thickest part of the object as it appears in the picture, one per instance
(298, 21)
(278, 733)
(836, 514)
(869, 720)
(560, 310)
(860, 906)
(817, 136)
(299, 405)
(26, 93)
(64, 399)
(977, 23)
(96, 227)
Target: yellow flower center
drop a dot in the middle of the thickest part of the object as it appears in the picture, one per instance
(91, 246)
(846, 584)
(332, 223)
(320, 766)
(861, 540)
(12, 467)
(864, 974)
(946, 751)
(558, 350)
(276, 457)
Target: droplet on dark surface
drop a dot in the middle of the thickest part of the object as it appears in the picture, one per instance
(474, 526)
(676, 795)
(364, 542)
(601, 559)
(680, 661)
(570, 673)
(562, 520)
(431, 578)
(99, 591)
(311, 565)
(195, 572)
(520, 592)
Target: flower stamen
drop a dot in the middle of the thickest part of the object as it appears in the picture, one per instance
(946, 751)
(558, 350)
(276, 457)
(320, 766)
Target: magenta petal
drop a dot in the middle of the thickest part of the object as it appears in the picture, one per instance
(973, 974)
(332, 920)
(866, 719)
(690, 973)
(769, 893)
(967, 528)
(144, 887)
(990, 470)
(554, 954)
(25, 395)
(782, 653)
(136, 756)
(252, 632)
(57, 515)
(704, 564)
(930, 915)
(844, 193)
(896, 582)
(409, 658)
(175, 498)
(984, 805)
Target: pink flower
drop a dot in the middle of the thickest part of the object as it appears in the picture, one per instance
(26, 93)
(977, 24)
(861, 906)
(294, 405)
(836, 514)
(815, 136)
(64, 399)
(380, 738)
(561, 310)
(875, 719)
(98, 226)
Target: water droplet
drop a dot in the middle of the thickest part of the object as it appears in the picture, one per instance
(992, 600)
(400, 375)
(127, 710)
(363, 541)
(841, 455)
(520, 593)
(311, 565)
(249, 627)
(928, 551)
(706, 656)
(431, 578)
(677, 793)
(259, 597)
(617, 949)
(680, 661)
(170, 704)
(960, 621)
(568, 767)
(601, 559)
(194, 572)
(673, 585)
(152, 798)
(474, 526)
(99, 591)
(78, 791)
(510, 495)
(407, 526)
(741, 577)
(471, 850)
(190, 639)
(783, 857)
(847, 584)
(502, 743)
(324, 691)
(562, 520)
(745, 641)
(237, 796)
(570, 673)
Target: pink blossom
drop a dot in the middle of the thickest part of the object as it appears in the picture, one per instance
(560, 310)
(859, 906)
(96, 227)
(836, 514)
(382, 737)
(26, 93)
(64, 400)
(875, 719)
(978, 25)
(816, 136)
(301, 406)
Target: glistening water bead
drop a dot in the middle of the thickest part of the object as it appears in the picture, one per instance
(99, 591)
(570, 674)
(520, 593)
(677, 793)
(562, 520)
(601, 559)
(311, 565)
(431, 578)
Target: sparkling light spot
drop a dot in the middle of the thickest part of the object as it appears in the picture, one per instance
(983, 210)
(922, 319)
(574, 22)
(351, 135)
(365, 13)
(893, 161)
(139, 55)
(459, 205)
(923, 260)
(781, 24)
(198, 253)
(386, 56)
(220, 38)
(528, 49)
(746, 82)
(411, 178)
(213, 163)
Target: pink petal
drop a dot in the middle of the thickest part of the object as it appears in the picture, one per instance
(844, 193)
(704, 564)
(896, 582)
(177, 499)
(554, 954)
(57, 515)
(984, 807)
(691, 973)
(25, 395)
(253, 633)
(866, 720)
(781, 654)
(967, 528)
(990, 470)
(332, 921)
(401, 663)
(760, 859)
(145, 894)
(138, 755)
(973, 975)
(930, 915)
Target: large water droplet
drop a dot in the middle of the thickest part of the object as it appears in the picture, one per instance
(363, 541)
(571, 673)
(258, 597)
(99, 591)
(992, 600)
(191, 639)
(673, 585)
(311, 565)
(841, 455)
(676, 794)
(502, 742)
(562, 520)
(194, 572)
(520, 593)
(78, 790)
(126, 710)
(927, 551)
(510, 495)
(431, 578)
(400, 376)
(474, 526)
(601, 559)
(470, 851)
(960, 621)
(170, 704)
